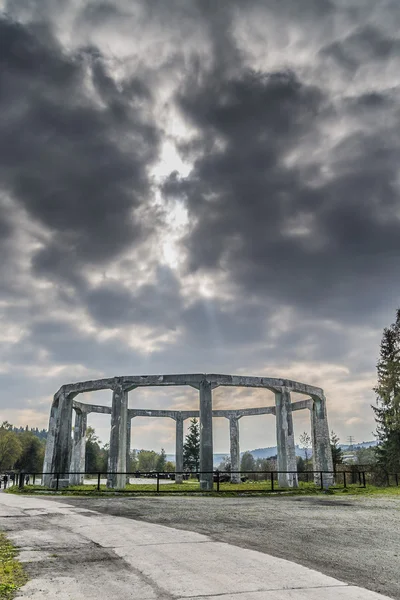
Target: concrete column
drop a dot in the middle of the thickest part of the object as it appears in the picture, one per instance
(179, 449)
(234, 447)
(285, 440)
(63, 440)
(78, 448)
(49, 452)
(321, 447)
(117, 455)
(206, 436)
(128, 445)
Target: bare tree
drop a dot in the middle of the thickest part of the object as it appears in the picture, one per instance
(305, 443)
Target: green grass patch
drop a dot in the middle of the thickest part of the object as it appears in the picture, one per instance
(12, 575)
(192, 487)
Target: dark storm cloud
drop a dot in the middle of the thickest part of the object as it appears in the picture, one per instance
(245, 201)
(76, 162)
(363, 46)
(156, 305)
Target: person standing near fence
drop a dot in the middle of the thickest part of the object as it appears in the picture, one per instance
(5, 479)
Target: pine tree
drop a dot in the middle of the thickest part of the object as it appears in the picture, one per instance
(191, 447)
(337, 454)
(161, 461)
(387, 411)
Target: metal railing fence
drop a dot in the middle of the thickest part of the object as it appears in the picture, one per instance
(223, 481)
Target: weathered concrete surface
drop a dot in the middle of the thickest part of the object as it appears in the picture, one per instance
(49, 451)
(285, 440)
(119, 424)
(96, 556)
(179, 449)
(62, 438)
(78, 448)
(322, 454)
(192, 379)
(234, 448)
(58, 448)
(353, 538)
(206, 436)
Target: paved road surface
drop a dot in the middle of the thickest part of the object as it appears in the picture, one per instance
(73, 553)
(354, 538)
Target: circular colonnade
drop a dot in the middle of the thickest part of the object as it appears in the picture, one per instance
(65, 455)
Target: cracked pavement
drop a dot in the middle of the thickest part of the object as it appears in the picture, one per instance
(72, 552)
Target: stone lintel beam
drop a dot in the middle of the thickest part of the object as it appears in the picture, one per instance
(302, 404)
(190, 414)
(195, 380)
(143, 412)
(92, 408)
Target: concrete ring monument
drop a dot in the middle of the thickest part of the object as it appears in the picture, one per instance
(65, 456)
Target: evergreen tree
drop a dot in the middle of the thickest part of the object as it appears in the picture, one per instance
(337, 454)
(247, 462)
(191, 447)
(161, 461)
(387, 411)
(93, 457)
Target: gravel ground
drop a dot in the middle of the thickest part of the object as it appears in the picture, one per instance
(356, 539)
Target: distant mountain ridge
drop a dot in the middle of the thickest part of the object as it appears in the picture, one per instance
(270, 451)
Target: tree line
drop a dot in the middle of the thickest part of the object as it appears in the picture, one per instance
(21, 449)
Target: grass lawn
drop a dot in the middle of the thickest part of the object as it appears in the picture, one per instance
(248, 488)
(12, 575)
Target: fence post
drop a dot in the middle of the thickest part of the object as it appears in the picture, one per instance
(359, 477)
(363, 476)
(344, 479)
(57, 480)
(158, 481)
(322, 480)
(98, 481)
(272, 481)
(397, 479)
(34, 478)
(217, 474)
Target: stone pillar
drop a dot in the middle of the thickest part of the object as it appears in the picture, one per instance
(206, 437)
(49, 452)
(78, 448)
(321, 447)
(128, 445)
(285, 440)
(117, 455)
(179, 449)
(63, 440)
(234, 446)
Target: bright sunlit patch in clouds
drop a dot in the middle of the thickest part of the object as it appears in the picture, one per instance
(175, 214)
(170, 161)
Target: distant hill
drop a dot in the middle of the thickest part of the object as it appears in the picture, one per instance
(272, 451)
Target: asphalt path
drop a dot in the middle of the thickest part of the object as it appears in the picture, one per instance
(169, 548)
(356, 539)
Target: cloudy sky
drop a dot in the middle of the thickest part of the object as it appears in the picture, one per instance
(198, 186)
